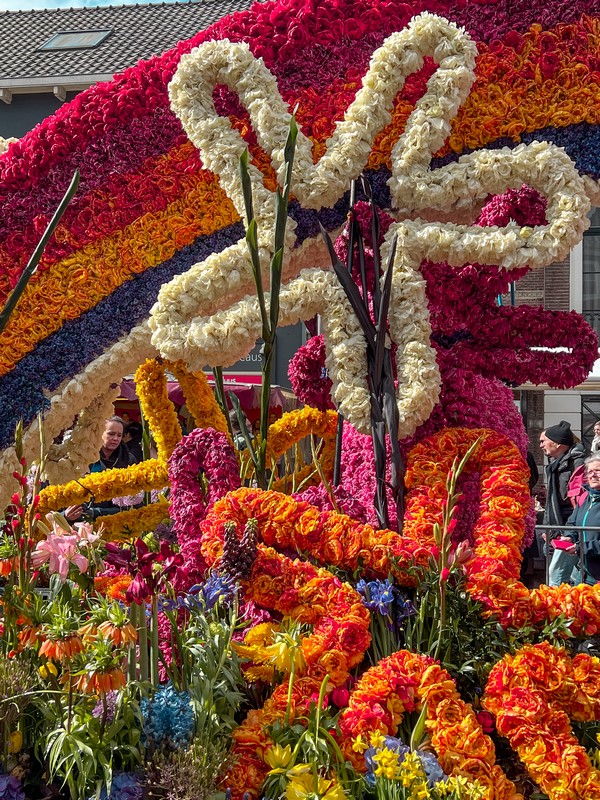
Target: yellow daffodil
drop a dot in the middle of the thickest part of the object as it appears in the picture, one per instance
(307, 787)
(377, 739)
(412, 774)
(287, 651)
(15, 743)
(359, 745)
(48, 669)
(460, 787)
(387, 764)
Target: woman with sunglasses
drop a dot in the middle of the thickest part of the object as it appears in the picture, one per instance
(587, 547)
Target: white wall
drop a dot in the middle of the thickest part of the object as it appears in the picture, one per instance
(563, 404)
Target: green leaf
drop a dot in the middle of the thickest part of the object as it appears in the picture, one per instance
(246, 185)
(34, 261)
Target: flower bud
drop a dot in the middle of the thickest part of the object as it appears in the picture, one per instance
(340, 696)
(15, 499)
(444, 575)
(486, 720)
(23, 461)
(36, 501)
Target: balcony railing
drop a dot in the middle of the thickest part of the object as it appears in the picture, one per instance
(593, 317)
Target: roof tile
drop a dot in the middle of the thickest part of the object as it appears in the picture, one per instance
(138, 32)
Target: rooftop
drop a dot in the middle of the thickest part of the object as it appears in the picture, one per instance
(135, 32)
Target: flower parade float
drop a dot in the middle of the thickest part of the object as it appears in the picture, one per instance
(332, 608)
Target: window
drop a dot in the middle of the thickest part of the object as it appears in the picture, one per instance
(590, 415)
(75, 40)
(591, 271)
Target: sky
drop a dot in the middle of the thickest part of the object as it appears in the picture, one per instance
(26, 5)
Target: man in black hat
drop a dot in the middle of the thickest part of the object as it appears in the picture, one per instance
(565, 455)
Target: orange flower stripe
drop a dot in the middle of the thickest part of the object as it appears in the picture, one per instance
(199, 398)
(251, 739)
(326, 536)
(405, 682)
(147, 242)
(532, 694)
(340, 638)
(502, 102)
(113, 586)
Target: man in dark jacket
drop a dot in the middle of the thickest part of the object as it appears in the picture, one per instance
(587, 545)
(564, 455)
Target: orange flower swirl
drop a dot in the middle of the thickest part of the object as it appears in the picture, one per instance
(338, 642)
(405, 682)
(532, 694)
(493, 573)
(326, 536)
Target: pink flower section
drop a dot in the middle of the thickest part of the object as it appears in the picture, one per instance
(206, 452)
(318, 497)
(308, 375)
(59, 552)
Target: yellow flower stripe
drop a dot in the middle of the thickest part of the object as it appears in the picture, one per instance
(151, 385)
(80, 281)
(121, 526)
(289, 430)
(199, 398)
(295, 425)
(105, 485)
(151, 388)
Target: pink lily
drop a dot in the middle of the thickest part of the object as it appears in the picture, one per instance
(60, 552)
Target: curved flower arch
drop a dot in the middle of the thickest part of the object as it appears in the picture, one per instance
(532, 694)
(405, 682)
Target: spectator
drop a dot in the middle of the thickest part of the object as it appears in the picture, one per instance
(565, 455)
(586, 546)
(595, 446)
(133, 439)
(113, 455)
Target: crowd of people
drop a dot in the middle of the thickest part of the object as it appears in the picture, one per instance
(572, 498)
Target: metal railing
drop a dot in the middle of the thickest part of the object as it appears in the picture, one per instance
(593, 317)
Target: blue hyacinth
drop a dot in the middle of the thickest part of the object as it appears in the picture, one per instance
(217, 588)
(168, 717)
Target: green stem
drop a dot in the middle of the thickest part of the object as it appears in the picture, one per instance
(154, 642)
(289, 694)
(143, 640)
(132, 666)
